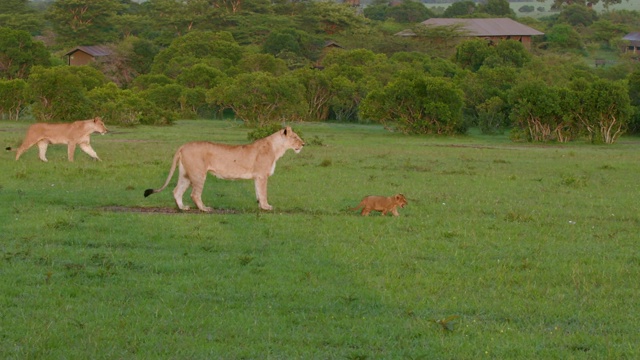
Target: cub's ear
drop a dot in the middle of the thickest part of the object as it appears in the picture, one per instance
(285, 131)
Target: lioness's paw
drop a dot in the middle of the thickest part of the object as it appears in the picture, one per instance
(266, 207)
(207, 209)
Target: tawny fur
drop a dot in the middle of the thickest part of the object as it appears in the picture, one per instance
(382, 204)
(255, 161)
(72, 134)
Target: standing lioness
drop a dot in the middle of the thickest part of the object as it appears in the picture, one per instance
(252, 161)
(72, 134)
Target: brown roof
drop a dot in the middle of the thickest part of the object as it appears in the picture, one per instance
(486, 27)
(95, 51)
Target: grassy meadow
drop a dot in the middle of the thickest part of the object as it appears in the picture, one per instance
(505, 250)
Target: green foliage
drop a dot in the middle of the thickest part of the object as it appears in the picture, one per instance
(326, 17)
(563, 37)
(13, 98)
(471, 54)
(19, 53)
(600, 109)
(198, 75)
(84, 22)
(58, 94)
(262, 62)
(423, 105)
(603, 109)
(409, 11)
(260, 98)
(198, 47)
(263, 131)
(127, 108)
(497, 8)
(144, 82)
(89, 76)
(578, 15)
(460, 9)
(538, 109)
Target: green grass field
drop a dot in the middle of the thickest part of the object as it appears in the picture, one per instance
(505, 251)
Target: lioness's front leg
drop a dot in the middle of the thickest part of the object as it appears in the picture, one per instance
(261, 192)
(42, 150)
(89, 150)
(71, 149)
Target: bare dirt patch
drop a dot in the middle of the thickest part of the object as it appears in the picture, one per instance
(163, 210)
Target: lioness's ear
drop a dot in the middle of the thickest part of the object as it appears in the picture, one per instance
(285, 131)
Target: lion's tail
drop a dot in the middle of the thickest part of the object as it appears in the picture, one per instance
(360, 206)
(176, 158)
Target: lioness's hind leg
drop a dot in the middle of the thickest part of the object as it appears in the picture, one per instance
(181, 187)
(42, 150)
(89, 150)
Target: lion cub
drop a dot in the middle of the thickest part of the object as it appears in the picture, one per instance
(381, 203)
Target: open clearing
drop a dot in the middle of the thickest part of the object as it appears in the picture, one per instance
(505, 250)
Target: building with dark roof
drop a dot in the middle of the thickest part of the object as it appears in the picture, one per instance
(82, 55)
(492, 29)
(633, 42)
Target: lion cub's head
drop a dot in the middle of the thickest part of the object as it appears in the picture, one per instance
(400, 200)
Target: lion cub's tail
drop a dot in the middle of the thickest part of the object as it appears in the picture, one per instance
(9, 148)
(176, 158)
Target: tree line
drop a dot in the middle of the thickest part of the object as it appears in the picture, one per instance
(268, 62)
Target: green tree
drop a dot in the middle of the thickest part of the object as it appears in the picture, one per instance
(558, 4)
(260, 99)
(326, 17)
(171, 18)
(57, 95)
(497, 8)
(607, 32)
(578, 15)
(508, 53)
(18, 15)
(318, 92)
(217, 49)
(537, 111)
(12, 98)
(634, 98)
(563, 37)
(201, 76)
(409, 11)
(376, 11)
(603, 109)
(264, 63)
(424, 105)
(460, 9)
(471, 54)
(126, 107)
(19, 53)
(84, 22)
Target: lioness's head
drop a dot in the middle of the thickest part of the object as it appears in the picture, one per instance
(99, 125)
(293, 140)
(400, 200)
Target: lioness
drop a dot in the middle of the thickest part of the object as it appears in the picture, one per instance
(255, 161)
(72, 134)
(381, 203)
